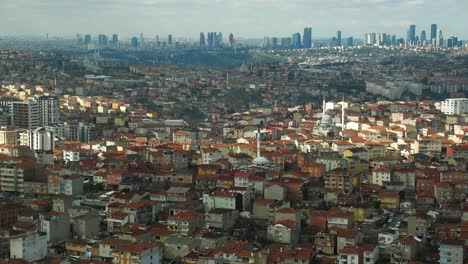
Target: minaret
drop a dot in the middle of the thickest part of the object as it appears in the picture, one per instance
(342, 115)
(323, 107)
(258, 143)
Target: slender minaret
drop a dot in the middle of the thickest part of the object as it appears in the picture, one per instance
(342, 115)
(258, 143)
(323, 107)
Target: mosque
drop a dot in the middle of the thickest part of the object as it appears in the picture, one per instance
(326, 127)
(261, 162)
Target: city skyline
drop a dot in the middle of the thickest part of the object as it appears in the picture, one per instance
(255, 19)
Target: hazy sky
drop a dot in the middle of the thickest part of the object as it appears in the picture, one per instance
(245, 18)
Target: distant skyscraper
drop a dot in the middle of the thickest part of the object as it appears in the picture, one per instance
(307, 38)
(274, 42)
(142, 39)
(266, 42)
(350, 42)
(338, 38)
(158, 43)
(452, 42)
(79, 39)
(423, 37)
(394, 40)
(231, 39)
(378, 39)
(286, 43)
(433, 32)
(87, 39)
(296, 40)
(169, 40)
(371, 38)
(412, 35)
(134, 42)
(219, 40)
(440, 39)
(115, 38)
(202, 40)
(103, 39)
(211, 40)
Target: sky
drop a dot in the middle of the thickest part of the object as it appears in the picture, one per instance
(244, 18)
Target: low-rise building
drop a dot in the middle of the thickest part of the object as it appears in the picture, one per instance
(284, 232)
(221, 218)
(138, 252)
(185, 223)
(30, 247)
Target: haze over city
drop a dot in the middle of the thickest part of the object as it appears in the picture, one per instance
(255, 18)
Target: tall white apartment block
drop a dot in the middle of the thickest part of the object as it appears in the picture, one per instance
(455, 106)
(49, 110)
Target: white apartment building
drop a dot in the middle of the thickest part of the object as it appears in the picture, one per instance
(39, 139)
(455, 106)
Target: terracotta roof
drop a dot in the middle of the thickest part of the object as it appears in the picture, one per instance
(287, 223)
(408, 240)
(136, 247)
(350, 250)
(184, 216)
(286, 210)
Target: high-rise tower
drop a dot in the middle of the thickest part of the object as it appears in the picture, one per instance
(307, 38)
(433, 32)
(338, 38)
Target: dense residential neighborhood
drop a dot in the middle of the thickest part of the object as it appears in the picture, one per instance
(263, 163)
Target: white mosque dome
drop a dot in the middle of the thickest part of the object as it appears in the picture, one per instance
(326, 119)
(261, 161)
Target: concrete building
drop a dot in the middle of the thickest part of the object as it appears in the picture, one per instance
(25, 114)
(350, 255)
(221, 218)
(284, 232)
(179, 246)
(86, 226)
(138, 252)
(72, 185)
(9, 214)
(49, 110)
(39, 139)
(8, 136)
(451, 251)
(404, 250)
(458, 106)
(418, 225)
(78, 131)
(13, 176)
(30, 247)
(185, 223)
(56, 225)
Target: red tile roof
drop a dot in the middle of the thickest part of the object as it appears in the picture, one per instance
(184, 216)
(136, 247)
